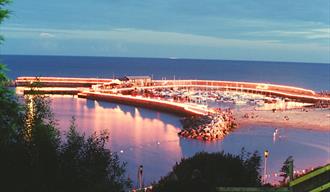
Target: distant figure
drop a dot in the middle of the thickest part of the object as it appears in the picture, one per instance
(275, 135)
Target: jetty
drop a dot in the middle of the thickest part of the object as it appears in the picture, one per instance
(214, 126)
(181, 109)
(120, 90)
(60, 85)
(181, 97)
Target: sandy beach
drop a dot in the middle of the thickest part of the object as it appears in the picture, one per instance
(312, 119)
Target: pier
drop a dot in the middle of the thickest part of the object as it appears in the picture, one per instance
(181, 109)
(60, 85)
(59, 81)
(174, 96)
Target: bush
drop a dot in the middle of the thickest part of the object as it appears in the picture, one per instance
(206, 171)
(34, 156)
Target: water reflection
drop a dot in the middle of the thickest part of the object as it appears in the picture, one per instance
(147, 137)
(141, 136)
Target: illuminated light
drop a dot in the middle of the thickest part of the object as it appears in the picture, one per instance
(180, 82)
(262, 86)
(121, 151)
(188, 108)
(247, 83)
(302, 95)
(266, 153)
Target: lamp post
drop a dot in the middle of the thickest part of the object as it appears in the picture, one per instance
(140, 177)
(266, 154)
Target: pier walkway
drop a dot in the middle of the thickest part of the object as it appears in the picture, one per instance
(301, 94)
(97, 88)
(182, 109)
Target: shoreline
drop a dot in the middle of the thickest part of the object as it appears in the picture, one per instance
(312, 119)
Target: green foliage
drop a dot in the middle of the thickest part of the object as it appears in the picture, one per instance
(10, 111)
(285, 169)
(34, 157)
(206, 171)
(97, 167)
(4, 13)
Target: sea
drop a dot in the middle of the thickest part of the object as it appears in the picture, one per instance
(149, 138)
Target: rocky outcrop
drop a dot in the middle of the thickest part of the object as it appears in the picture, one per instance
(209, 127)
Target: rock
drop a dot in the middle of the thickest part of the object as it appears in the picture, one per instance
(209, 127)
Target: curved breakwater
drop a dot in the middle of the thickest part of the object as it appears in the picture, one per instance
(297, 93)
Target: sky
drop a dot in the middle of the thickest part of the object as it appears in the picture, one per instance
(278, 30)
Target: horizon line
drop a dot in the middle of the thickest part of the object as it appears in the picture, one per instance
(168, 58)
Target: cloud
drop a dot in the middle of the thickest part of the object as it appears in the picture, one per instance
(321, 33)
(143, 36)
(141, 42)
(46, 35)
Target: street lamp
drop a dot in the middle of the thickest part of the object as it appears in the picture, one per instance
(140, 177)
(266, 154)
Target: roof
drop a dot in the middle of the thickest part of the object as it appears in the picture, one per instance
(138, 77)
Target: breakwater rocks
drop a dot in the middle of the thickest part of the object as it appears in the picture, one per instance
(214, 126)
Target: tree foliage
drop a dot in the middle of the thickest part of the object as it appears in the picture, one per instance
(286, 169)
(206, 171)
(10, 111)
(98, 168)
(34, 156)
(4, 13)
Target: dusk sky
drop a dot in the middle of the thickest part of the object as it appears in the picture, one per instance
(280, 30)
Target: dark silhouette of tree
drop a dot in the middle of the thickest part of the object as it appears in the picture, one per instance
(10, 118)
(36, 158)
(97, 167)
(286, 169)
(33, 155)
(206, 171)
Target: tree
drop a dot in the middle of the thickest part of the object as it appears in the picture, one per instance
(34, 156)
(206, 171)
(12, 153)
(10, 111)
(287, 169)
(10, 116)
(98, 168)
(4, 13)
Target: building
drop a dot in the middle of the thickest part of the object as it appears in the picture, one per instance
(138, 80)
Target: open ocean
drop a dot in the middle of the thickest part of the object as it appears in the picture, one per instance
(147, 137)
(308, 75)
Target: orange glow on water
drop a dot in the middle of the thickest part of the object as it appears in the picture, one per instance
(126, 128)
(146, 137)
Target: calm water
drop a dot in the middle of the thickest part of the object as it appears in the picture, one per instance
(147, 137)
(313, 76)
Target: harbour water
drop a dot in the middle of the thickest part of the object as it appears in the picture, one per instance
(147, 137)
